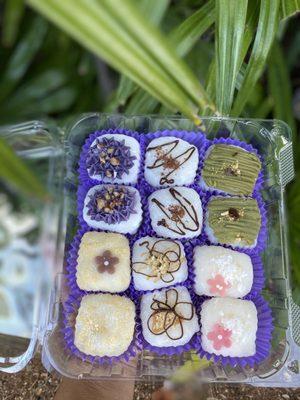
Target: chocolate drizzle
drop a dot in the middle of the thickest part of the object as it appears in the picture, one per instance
(168, 315)
(166, 161)
(161, 264)
(176, 212)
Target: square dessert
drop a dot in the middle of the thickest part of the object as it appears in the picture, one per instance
(228, 327)
(103, 262)
(113, 208)
(233, 221)
(114, 158)
(157, 263)
(222, 272)
(230, 169)
(104, 325)
(168, 317)
(176, 212)
(170, 161)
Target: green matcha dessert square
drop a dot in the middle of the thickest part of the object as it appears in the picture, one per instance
(234, 221)
(230, 169)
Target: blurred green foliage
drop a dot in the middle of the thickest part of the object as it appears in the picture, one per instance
(247, 56)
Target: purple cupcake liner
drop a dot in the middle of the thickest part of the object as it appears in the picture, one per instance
(263, 337)
(172, 350)
(258, 269)
(69, 314)
(234, 142)
(84, 177)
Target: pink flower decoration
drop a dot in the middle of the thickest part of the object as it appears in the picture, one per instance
(218, 286)
(220, 337)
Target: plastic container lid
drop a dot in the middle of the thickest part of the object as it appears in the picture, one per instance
(32, 257)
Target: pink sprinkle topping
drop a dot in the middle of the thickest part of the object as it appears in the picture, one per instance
(218, 285)
(220, 337)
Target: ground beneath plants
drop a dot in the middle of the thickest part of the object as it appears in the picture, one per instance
(35, 383)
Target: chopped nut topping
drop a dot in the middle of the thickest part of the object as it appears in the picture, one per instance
(114, 161)
(177, 212)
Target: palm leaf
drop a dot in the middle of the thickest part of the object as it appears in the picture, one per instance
(183, 38)
(13, 13)
(280, 87)
(230, 24)
(150, 39)
(13, 170)
(155, 12)
(266, 30)
(22, 57)
(252, 15)
(289, 7)
(104, 30)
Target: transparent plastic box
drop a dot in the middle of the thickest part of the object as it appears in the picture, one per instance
(54, 151)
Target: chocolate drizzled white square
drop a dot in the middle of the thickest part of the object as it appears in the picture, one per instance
(176, 212)
(157, 263)
(170, 161)
(168, 317)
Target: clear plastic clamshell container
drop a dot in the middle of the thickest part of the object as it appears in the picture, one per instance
(32, 299)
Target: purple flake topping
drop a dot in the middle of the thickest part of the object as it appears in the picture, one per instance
(112, 204)
(109, 158)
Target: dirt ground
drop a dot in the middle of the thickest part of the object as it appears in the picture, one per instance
(35, 383)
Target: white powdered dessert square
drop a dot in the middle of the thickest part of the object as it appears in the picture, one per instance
(103, 262)
(157, 263)
(104, 325)
(168, 317)
(228, 327)
(170, 161)
(222, 272)
(176, 212)
(113, 208)
(114, 158)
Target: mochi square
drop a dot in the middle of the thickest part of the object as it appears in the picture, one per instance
(176, 212)
(168, 317)
(104, 325)
(114, 158)
(228, 327)
(103, 262)
(230, 169)
(170, 161)
(157, 263)
(222, 272)
(234, 221)
(113, 208)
